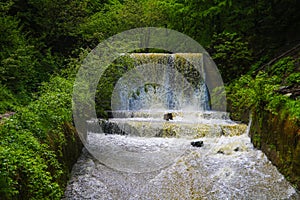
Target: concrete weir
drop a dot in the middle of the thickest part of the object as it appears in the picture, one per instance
(190, 125)
(168, 138)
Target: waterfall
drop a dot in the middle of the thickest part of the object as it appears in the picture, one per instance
(143, 156)
(162, 82)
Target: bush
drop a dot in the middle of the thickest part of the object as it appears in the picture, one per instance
(259, 93)
(283, 67)
(7, 100)
(231, 54)
(31, 144)
(25, 166)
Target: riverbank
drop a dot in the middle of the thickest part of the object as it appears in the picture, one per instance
(278, 136)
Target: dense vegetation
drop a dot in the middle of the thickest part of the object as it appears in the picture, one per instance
(43, 43)
(261, 91)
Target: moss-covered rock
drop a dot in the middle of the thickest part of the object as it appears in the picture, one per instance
(71, 150)
(278, 136)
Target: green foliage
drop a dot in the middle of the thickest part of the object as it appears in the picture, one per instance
(7, 100)
(21, 70)
(51, 24)
(293, 78)
(247, 93)
(118, 16)
(5, 6)
(282, 67)
(41, 38)
(259, 93)
(261, 22)
(231, 54)
(25, 169)
(22, 66)
(10, 36)
(31, 143)
(293, 108)
(107, 83)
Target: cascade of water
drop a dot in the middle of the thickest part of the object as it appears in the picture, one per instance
(170, 99)
(162, 82)
(224, 168)
(158, 161)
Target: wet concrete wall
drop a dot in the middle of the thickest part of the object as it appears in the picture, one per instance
(278, 136)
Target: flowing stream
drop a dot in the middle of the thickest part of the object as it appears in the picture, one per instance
(140, 155)
(132, 167)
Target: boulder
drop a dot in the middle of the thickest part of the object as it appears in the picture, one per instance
(197, 143)
(168, 116)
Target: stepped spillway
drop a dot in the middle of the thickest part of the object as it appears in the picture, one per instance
(138, 154)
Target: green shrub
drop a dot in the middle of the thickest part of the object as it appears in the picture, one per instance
(260, 92)
(31, 144)
(283, 67)
(231, 54)
(293, 78)
(26, 169)
(7, 100)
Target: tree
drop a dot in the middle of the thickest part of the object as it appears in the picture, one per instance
(231, 54)
(51, 24)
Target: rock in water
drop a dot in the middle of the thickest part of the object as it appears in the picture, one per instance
(197, 144)
(168, 116)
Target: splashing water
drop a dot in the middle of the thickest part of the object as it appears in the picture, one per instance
(162, 82)
(142, 156)
(224, 168)
(146, 167)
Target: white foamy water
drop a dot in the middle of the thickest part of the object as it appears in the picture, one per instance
(141, 163)
(224, 168)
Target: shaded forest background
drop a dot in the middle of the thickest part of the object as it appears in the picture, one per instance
(44, 42)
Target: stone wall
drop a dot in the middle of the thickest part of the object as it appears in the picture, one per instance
(278, 136)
